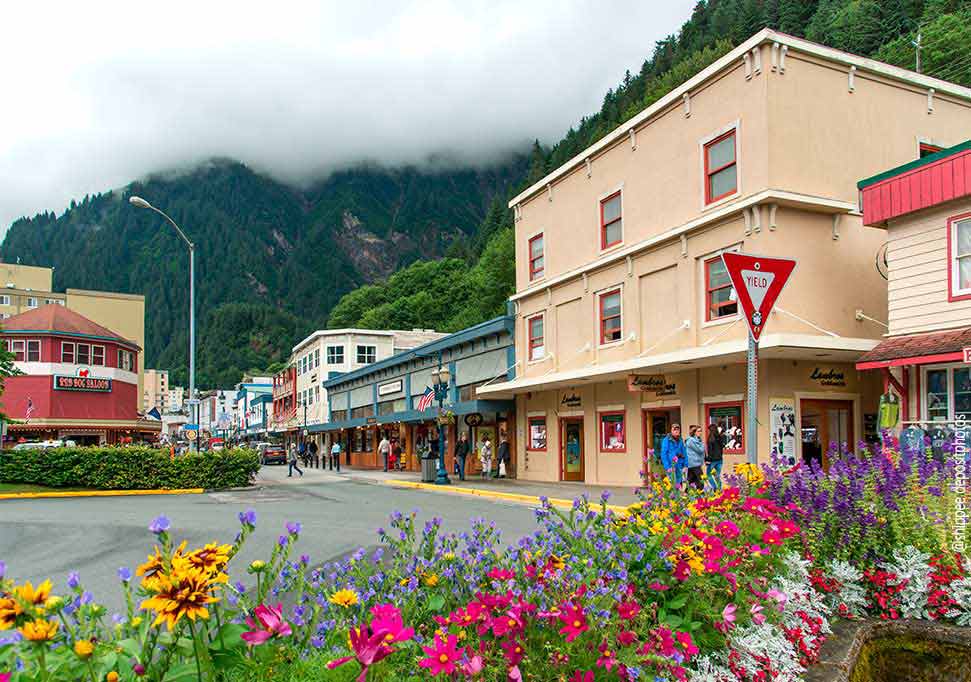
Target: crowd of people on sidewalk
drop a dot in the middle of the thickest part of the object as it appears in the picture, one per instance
(702, 459)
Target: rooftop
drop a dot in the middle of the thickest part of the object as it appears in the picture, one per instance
(58, 319)
(402, 338)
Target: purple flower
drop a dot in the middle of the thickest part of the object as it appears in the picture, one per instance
(117, 618)
(160, 525)
(86, 598)
(304, 559)
(124, 574)
(73, 580)
(248, 517)
(317, 642)
(283, 541)
(3, 569)
(239, 587)
(293, 527)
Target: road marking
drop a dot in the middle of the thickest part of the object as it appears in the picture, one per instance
(477, 492)
(102, 493)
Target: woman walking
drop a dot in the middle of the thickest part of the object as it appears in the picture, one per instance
(716, 452)
(485, 457)
(695, 448)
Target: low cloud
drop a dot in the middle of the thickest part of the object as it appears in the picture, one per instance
(99, 94)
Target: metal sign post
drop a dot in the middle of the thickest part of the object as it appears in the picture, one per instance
(757, 281)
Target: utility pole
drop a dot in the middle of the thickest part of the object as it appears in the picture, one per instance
(916, 44)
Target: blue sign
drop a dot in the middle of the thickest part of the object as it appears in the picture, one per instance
(190, 427)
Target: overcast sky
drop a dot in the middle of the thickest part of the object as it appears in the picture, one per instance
(97, 94)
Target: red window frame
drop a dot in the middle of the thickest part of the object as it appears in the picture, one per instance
(623, 432)
(603, 226)
(733, 403)
(603, 320)
(536, 272)
(926, 149)
(709, 290)
(951, 296)
(535, 341)
(529, 433)
(711, 171)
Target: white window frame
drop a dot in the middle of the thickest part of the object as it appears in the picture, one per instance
(104, 356)
(737, 125)
(74, 357)
(316, 358)
(954, 266)
(35, 345)
(22, 343)
(337, 350)
(596, 316)
(31, 302)
(365, 348)
(951, 401)
(77, 353)
(703, 288)
(4, 299)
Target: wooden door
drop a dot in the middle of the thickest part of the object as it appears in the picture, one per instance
(571, 449)
(825, 423)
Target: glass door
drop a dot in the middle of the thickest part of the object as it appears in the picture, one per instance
(826, 426)
(572, 446)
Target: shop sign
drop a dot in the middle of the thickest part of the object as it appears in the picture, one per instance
(391, 387)
(651, 382)
(967, 356)
(372, 420)
(828, 377)
(86, 383)
(474, 419)
(782, 427)
(571, 400)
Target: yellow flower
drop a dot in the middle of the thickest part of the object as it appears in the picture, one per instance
(448, 556)
(257, 566)
(28, 595)
(83, 648)
(402, 582)
(183, 593)
(213, 558)
(111, 677)
(345, 598)
(462, 635)
(136, 621)
(9, 610)
(430, 579)
(150, 570)
(556, 562)
(39, 630)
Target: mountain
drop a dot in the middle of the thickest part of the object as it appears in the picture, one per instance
(271, 260)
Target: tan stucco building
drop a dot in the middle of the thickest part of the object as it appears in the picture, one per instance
(626, 321)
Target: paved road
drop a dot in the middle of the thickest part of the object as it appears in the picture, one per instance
(43, 538)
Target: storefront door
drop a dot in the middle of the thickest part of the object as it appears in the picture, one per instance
(657, 424)
(571, 446)
(825, 424)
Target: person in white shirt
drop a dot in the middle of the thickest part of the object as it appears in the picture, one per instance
(485, 457)
(384, 447)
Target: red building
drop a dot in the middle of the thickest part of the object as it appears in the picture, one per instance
(79, 381)
(284, 400)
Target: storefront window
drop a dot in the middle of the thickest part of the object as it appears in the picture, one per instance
(729, 417)
(938, 407)
(368, 440)
(358, 441)
(537, 433)
(386, 407)
(361, 412)
(613, 434)
(947, 393)
(962, 392)
(338, 415)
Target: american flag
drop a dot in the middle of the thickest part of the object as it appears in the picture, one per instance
(425, 401)
(30, 410)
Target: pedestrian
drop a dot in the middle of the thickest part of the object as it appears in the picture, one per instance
(461, 452)
(673, 455)
(396, 454)
(716, 452)
(695, 450)
(313, 454)
(302, 452)
(503, 456)
(335, 455)
(485, 457)
(384, 447)
(292, 461)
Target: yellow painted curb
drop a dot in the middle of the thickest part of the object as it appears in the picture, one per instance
(102, 493)
(478, 492)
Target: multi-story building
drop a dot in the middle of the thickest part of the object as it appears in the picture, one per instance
(626, 319)
(27, 287)
(216, 412)
(175, 402)
(77, 380)
(253, 407)
(923, 211)
(156, 390)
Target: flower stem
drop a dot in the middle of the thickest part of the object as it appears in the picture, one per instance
(195, 649)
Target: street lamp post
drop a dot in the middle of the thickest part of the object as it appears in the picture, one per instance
(441, 378)
(138, 202)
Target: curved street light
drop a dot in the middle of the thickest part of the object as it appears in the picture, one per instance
(138, 202)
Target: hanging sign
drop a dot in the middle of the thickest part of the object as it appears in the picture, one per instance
(967, 355)
(85, 383)
(758, 281)
(474, 419)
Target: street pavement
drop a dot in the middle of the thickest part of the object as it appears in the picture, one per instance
(49, 538)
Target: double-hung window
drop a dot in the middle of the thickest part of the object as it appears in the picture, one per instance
(67, 352)
(366, 354)
(31, 302)
(720, 298)
(19, 349)
(537, 258)
(4, 299)
(316, 358)
(610, 316)
(611, 221)
(335, 355)
(537, 345)
(98, 355)
(126, 360)
(721, 170)
(84, 354)
(33, 350)
(959, 250)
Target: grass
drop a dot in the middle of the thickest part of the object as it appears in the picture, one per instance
(31, 488)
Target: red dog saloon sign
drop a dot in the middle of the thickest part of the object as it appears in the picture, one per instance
(86, 383)
(758, 281)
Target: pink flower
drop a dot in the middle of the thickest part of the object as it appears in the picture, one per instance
(473, 666)
(687, 645)
(271, 624)
(658, 587)
(626, 637)
(443, 656)
(728, 613)
(574, 621)
(505, 623)
(628, 610)
(582, 677)
(514, 674)
(607, 658)
(757, 616)
(501, 574)
(781, 597)
(513, 650)
(368, 649)
(4, 677)
(727, 529)
(387, 619)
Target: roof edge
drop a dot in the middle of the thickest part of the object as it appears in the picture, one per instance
(912, 165)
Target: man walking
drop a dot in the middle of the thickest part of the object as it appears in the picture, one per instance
(502, 454)
(292, 461)
(335, 455)
(461, 452)
(384, 447)
(716, 450)
(313, 454)
(673, 455)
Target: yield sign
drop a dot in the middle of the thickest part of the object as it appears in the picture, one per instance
(758, 281)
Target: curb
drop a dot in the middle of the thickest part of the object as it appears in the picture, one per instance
(489, 494)
(101, 493)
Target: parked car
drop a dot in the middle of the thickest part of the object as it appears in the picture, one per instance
(273, 454)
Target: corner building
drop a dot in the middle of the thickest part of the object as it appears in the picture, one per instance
(625, 319)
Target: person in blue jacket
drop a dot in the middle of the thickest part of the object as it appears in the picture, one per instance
(673, 455)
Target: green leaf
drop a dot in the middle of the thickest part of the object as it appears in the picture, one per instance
(183, 672)
(436, 603)
(230, 635)
(678, 602)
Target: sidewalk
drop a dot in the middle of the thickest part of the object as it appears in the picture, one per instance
(497, 487)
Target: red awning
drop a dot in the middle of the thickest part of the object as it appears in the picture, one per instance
(918, 349)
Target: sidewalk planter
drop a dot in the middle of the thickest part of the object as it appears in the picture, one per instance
(111, 468)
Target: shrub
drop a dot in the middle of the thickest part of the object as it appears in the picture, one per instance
(138, 468)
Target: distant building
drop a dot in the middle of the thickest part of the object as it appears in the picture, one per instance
(216, 411)
(175, 402)
(156, 390)
(79, 380)
(28, 287)
(253, 407)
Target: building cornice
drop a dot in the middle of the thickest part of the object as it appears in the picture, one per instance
(730, 60)
(776, 196)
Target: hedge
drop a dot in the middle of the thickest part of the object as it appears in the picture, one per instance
(132, 468)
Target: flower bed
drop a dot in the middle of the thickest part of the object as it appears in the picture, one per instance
(136, 468)
(721, 588)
